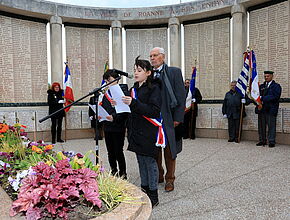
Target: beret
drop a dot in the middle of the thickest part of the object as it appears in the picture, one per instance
(268, 72)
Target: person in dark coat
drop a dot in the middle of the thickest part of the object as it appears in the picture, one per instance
(172, 110)
(191, 114)
(55, 102)
(231, 110)
(115, 128)
(145, 101)
(93, 120)
(270, 93)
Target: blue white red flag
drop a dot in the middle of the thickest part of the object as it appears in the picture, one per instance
(191, 91)
(255, 92)
(67, 87)
(244, 76)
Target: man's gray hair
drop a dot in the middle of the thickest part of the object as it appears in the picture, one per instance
(234, 81)
(160, 49)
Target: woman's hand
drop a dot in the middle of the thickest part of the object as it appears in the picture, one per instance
(113, 103)
(127, 100)
(110, 118)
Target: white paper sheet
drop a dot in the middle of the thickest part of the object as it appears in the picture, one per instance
(117, 94)
(93, 107)
(102, 113)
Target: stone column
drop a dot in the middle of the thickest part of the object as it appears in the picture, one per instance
(239, 43)
(117, 45)
(175, 43)
(56, 49)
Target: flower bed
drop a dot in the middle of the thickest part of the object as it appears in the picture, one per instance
(44, 184)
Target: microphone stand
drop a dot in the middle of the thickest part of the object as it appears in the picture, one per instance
(96, 93)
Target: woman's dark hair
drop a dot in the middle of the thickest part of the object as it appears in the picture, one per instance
(110, 72)
(144, 64)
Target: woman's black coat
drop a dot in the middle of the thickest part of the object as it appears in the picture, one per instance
(52, 99)
(142, 134)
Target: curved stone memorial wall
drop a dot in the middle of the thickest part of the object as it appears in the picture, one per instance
(214, 34)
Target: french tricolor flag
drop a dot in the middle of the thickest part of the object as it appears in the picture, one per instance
(67, 87)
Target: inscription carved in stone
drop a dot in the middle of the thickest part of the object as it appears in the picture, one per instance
(23, 63)
(87, 53)
(270, 38)
(209, 44)
(140, 42)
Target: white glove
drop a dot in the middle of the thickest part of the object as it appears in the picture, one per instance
(91, 118)
(243, 101)
(61, 101)
(193, 100)
(225, 116)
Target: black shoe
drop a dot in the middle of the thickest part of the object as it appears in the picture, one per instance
(231, 140)
(271, 145)
(261, 144)
(60, 141)
(153, 196)
(145, 189)
(53, 142)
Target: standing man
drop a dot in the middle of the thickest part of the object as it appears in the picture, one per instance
(172, 110)
(270, 94)
(232, 111)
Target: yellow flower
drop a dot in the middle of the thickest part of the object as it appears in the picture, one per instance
(61, 155)
(49, 162)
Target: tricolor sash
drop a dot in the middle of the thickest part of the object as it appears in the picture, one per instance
(161, 137)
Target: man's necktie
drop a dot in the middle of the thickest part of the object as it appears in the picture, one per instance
(157, 74)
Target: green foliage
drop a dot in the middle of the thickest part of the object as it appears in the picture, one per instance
(112, 190)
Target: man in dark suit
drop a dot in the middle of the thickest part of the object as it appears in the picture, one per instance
(231, 110)
(172, 110)
(270, 92)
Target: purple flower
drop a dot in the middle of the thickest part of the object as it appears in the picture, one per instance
(102, 169)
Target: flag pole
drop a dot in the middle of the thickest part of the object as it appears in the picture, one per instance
(243, 106)
(65, 124)
(192, 112)
(34, 123)
(65, 115)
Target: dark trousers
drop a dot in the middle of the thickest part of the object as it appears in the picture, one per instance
(169, 163)
(233, 128)
(114, 143)
(189, 125)
(267, 121)
(56, 126)
(262, 128)
(148, 170)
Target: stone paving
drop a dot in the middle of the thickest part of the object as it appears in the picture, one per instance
(217, 180)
